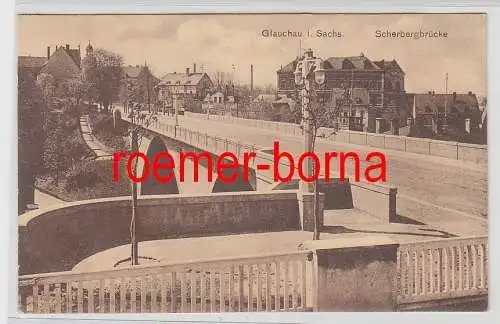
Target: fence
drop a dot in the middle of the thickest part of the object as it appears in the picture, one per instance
(428, 271)
(256, 283)
(201, 140)
(452, 150)
(442, 269)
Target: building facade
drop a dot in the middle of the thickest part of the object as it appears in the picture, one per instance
(456, 114)
(176, 90)
(138, 86)
(376, 89)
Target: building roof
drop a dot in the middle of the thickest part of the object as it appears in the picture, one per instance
(31, 61)
(61, 65)
(265, 98)
(181, 78)
(133, 71)
(388, 65)
(360, 62)
(431, 103)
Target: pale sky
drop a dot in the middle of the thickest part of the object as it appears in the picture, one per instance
(173, 42)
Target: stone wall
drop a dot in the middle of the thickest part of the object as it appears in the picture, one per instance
(452, 150)
(57, 239)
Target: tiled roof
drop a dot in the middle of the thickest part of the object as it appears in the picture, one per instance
(31, 61)
(61, 65)
(133, 71)
(383, 64)
(432, 103)
(359, 62)
(181, 79)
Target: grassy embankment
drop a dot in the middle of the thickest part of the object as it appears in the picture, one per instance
(69, 170)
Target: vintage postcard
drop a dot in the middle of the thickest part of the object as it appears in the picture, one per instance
(252, 163)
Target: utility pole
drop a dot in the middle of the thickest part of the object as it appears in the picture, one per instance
(446, 101)
(350, 100)
(134, 258)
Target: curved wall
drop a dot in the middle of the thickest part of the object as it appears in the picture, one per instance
(57, 239)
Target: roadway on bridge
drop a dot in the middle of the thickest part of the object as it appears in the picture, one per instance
(432, 181)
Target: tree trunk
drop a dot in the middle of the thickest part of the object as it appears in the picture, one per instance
(316, 210)
(134, 257)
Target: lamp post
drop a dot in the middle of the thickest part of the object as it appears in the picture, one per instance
(307, 67)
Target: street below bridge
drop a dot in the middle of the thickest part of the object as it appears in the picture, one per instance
(444, 193)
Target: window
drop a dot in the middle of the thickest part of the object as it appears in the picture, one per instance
(428, 109)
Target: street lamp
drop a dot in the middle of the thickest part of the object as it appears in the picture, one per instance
(307, 68)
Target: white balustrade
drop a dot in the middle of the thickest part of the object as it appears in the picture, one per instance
(442, 269)
(255, 283)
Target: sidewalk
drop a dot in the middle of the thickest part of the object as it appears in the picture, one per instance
(44, 200)
(99, 149)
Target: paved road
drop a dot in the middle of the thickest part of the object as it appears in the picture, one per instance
(433, 181)
(44, 200)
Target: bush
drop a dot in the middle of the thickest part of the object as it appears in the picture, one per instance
(84, 175)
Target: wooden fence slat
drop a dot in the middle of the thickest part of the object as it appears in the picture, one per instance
(231, 289)
(102, 302)
(259, 288)
(144, 285)
(277, 285)
(173, 295)
(133, 295)
(222, 301)
(192, 295)
(123, 295)
(90, 297)
(154, 294)
(112, 296)
(203, 288)
(249, 288)
(285, 285)
(212, 291)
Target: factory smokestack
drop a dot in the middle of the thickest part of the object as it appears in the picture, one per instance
(251, 80)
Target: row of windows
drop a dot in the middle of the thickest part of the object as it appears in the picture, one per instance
(338, 83)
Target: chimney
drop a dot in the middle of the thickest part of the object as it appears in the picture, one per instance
(454, 96)
(187, 71)
(251, 79)
(67, 47)
(430, 92)
(194, 67)
(48, 52)
(470, 93)
(433, 92)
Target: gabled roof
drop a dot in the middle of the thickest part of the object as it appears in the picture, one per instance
(428, 103)
(31, 61)
(359, 62)
(61, 65)
(181, 79)
(133, 71)
(388, 65)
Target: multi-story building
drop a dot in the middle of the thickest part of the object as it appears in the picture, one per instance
(453, 113)
(376, 90)
(138, 86)
(175, 90)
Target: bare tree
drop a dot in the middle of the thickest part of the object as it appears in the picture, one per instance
(323, 110)
(139, 119)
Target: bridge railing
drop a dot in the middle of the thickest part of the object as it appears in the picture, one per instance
(274, 282)
(442, 269)
(429, 271)
(447, 149)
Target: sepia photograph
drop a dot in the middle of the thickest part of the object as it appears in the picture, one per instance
(209, 163)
